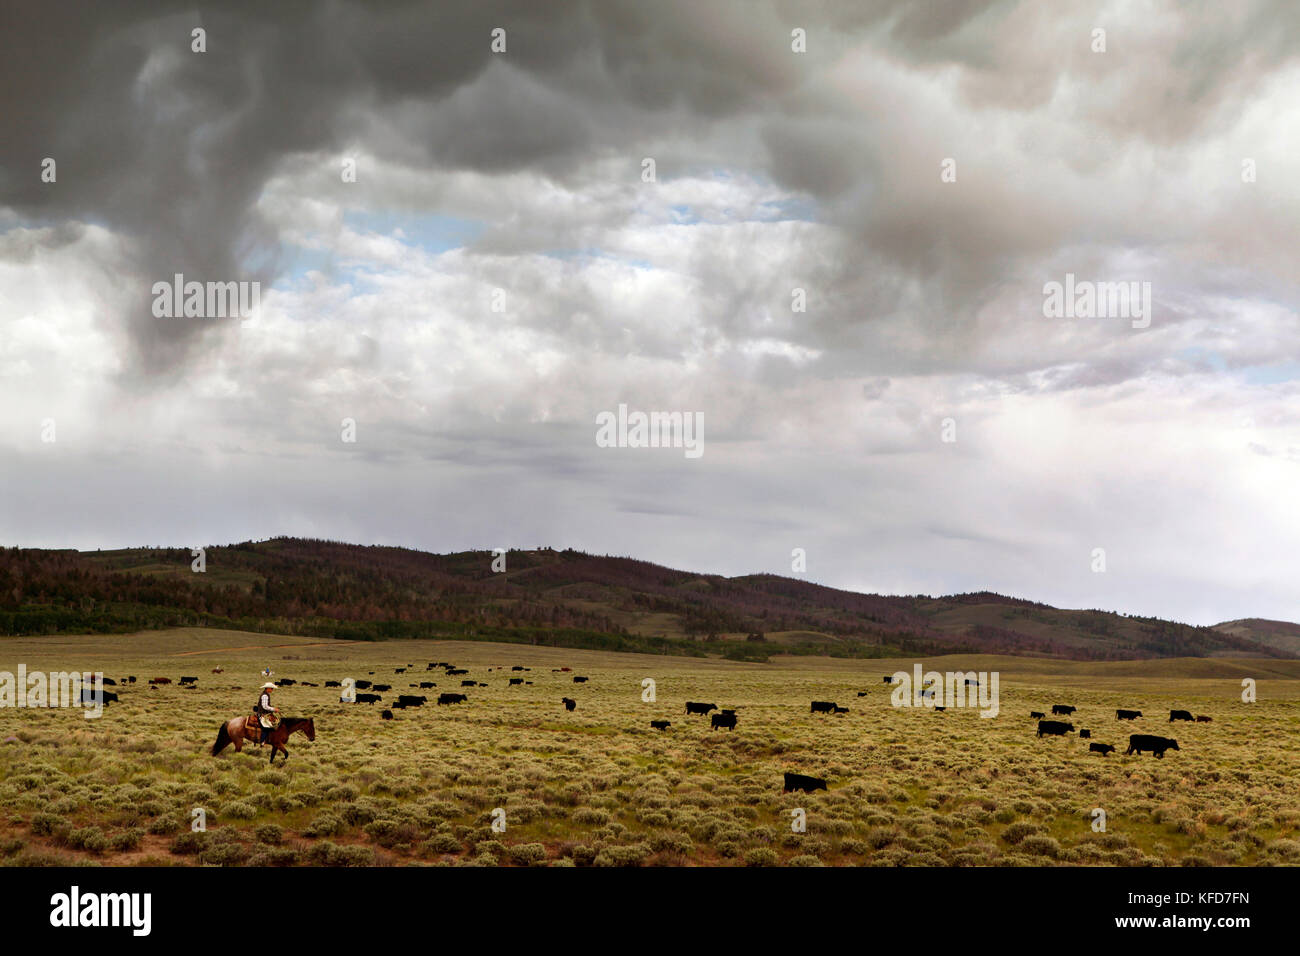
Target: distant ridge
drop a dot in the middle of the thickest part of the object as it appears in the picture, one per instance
(1280, 635)
(567, 598)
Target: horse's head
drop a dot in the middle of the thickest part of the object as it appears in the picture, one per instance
(310, 729)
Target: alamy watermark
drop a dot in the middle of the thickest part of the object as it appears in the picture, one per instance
(1098, 300)
(56, 689)
(205, 300)
(952, 689)
(651, 430)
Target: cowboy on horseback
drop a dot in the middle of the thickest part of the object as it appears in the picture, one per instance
(266, 713)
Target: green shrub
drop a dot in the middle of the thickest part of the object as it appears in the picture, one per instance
(1018, 831)
(443, 843)
(47, 824)
(1041, 845)
(224, 854)
(90, 839)
(239, 810)
(274, 856)
(327, 823)
(188, 843)
(126, 840)
(632, 855)
(527, 853)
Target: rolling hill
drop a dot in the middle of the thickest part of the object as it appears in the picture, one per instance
(566, 598)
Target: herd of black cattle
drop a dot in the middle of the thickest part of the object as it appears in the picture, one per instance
(724, 719)
(1137, 743)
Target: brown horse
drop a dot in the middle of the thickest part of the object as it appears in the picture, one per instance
(236, 731)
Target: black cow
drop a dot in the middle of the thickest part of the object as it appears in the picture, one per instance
(694, 708)
(1200, 719)
(940, 709)
(1102, 749)
(845, 710)
(386, 715)
(822, 707)
(1063, 709)
(380, 688)
(131, 679)
(799, 781)
(569, 703)
(1057, 728)
(517, 668)
(367, 698)
(1036, 715)
(661, 724)
(363, 685)
(469, 683)
(580, 680)
(728, 710)
(398, 705)
(724, 720)
(1085, 734)
(888, 679)
(454, 671)
(862, 693)
(410, 700)
(1179, 715)
(334, 683)
(109, 682)
(426, 684)
(399, 670)
(1127, 714)
(452, 698)
(189, 680)
(282, 682)
(1138, 743)
(516, 680)
(88, 696)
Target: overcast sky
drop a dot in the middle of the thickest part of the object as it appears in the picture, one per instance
(1170, 157)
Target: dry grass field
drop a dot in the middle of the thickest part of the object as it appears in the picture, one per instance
(599, 787)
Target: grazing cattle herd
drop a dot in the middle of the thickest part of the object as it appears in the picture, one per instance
(724, 718)
(1137, 743)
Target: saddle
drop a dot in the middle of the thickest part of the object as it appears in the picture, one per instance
(254, 724)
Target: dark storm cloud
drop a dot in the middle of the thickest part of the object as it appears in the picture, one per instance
(171, 148)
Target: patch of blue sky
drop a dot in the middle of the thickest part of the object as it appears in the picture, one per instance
(431, 232)
(792, 208)
(787, 208)
(581, 255)
(1272, 374)
(1203, 355)
(300, 260)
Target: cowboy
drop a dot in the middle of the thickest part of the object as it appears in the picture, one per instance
(265, 712)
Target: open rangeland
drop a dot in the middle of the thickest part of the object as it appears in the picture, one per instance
(599, 786)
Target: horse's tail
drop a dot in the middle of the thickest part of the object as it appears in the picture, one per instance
(223, 740)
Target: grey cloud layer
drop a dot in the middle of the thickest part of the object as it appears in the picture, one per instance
(924, 298)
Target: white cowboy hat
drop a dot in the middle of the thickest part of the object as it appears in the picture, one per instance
(268, 687)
